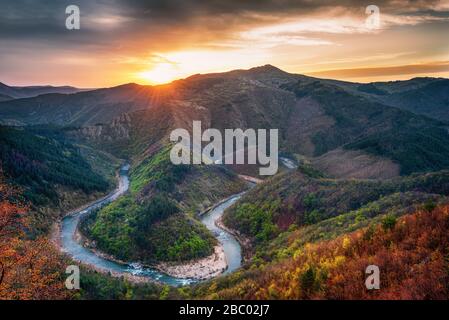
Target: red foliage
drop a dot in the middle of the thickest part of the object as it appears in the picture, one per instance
(28, 269)
(413, 258)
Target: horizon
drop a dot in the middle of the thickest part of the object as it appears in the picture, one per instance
(146, 42)
(84, 88)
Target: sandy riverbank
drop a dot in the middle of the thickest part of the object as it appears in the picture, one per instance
(201, 269)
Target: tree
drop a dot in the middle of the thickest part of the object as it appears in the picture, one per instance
(389, 222)
(11, 222)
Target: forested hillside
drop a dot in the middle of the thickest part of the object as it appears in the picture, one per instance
(297, 199)
(411, 252)
(48, 168)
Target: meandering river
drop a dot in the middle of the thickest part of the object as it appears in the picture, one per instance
(72, 247)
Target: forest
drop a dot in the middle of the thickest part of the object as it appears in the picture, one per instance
(411, 252)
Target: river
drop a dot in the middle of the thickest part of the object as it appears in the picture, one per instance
(79, 253)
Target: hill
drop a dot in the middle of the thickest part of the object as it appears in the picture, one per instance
(425, 96)
(411, 254)
(316, 118)
(33, 91)
(297, 199)
(53, 173)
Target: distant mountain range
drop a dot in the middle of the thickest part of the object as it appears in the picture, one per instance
(426, 96)
(327, 120)
(10, 92)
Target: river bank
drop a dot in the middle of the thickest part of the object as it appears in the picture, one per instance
(201, 269)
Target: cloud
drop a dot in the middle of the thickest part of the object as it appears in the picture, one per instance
(426, 68)
(45, 18)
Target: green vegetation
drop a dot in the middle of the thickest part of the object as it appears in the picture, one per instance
(310, 171)
(294, 199)
(111, 227)
(53, 174)
(97, 286)
(177, 239)
(39, 163)
(158, 173)
(255, 220)
(152, 231)
(415, 150)
(388, 222)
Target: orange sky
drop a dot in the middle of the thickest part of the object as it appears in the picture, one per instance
(150, 44)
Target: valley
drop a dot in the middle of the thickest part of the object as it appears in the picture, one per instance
(358, 165)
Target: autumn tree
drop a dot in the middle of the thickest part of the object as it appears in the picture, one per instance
(29, 269)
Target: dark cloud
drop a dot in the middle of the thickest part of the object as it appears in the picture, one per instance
(45, 18)
(175, 9)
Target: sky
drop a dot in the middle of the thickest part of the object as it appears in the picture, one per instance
(153, 42)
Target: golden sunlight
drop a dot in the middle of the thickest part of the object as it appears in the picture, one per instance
(161, 73)
(180, 64)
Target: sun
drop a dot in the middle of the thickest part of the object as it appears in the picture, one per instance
(161, 73)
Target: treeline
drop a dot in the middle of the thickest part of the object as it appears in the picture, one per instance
(416, 150)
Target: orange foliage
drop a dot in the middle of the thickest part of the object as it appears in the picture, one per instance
(28, 269)
(412, 255)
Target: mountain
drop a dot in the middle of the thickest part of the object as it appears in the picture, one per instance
(321, 121)
(301, 199)
(426, 96)
(32, 91)
(76, 109)
(335, 269)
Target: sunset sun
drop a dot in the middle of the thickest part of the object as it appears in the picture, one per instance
(161, 73)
